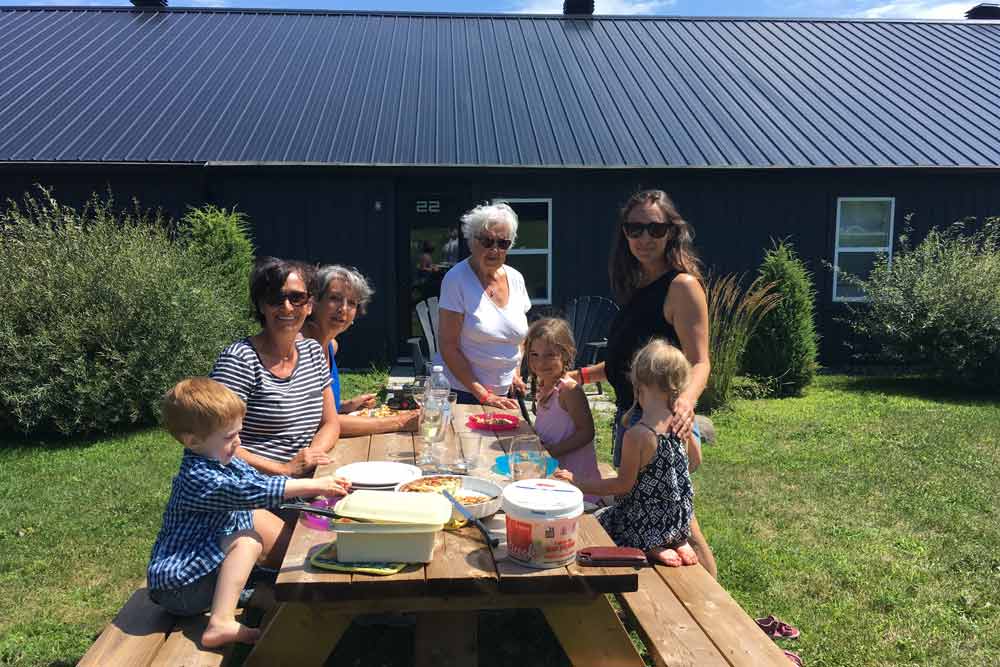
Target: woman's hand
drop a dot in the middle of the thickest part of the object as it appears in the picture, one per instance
(563, 475)
(358, 402)
(519, 385)
(305, 461)
(682, 420)
(494, 401)
(408, 420)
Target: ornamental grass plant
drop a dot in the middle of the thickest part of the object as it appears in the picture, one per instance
(733, 315)
(102, 312)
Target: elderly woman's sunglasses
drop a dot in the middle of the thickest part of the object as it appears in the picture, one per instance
(488, 242)
(634, 230)
(297, 299)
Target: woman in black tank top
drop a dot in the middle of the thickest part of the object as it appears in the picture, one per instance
(657, 281)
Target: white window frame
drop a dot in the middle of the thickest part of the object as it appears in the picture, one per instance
(535, 251)
(837, 250)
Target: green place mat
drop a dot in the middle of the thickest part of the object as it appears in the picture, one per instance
(326, 559)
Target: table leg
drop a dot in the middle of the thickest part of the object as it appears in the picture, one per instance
(298, 635)
(592, 635)
(447, 639)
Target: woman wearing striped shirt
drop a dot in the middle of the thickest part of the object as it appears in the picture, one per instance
(291, 422)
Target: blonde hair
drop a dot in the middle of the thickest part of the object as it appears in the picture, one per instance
(555, 332)
(200, 406)
(659, 365)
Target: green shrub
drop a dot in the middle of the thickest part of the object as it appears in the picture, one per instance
(222, 238)
(733, 314)
(783, 348)
(102, 312)
(938, 305)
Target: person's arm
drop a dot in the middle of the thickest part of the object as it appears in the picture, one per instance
(403, 421)
(356, 403)
(574, 402)
(595, 373)
(628, 473)
(449, 331)
(329, 426)
(686, 309)
(693, 452)
(327, 485)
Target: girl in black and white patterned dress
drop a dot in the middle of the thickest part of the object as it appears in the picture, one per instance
(654, 505)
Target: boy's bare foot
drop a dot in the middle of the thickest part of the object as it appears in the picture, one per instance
(687, 554)
(666, 556)
(227, 632)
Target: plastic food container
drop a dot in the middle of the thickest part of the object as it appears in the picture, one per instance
(385, 542)
(396, 528)
(542, 521)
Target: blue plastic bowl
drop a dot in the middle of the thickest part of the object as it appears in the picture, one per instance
(502, 466)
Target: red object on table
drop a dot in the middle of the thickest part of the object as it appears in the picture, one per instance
(507, 422)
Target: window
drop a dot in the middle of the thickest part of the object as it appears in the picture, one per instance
(864, 231)
(531, 254)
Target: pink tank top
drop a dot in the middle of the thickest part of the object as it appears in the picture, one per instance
(553, 425)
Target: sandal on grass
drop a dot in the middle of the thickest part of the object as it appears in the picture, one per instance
(777, 629)
(794, 657)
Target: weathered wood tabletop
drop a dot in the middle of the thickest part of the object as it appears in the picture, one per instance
(316, 606)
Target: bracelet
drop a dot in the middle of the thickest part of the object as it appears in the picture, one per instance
(583, 375)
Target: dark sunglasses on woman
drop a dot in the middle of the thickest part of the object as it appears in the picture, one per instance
(634, 230)
(488, 242)
(297, 299)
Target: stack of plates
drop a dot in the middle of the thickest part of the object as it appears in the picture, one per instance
(378, 475)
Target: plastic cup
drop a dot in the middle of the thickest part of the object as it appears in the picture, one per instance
(472, 446)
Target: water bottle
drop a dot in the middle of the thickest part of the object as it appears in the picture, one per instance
(438, 385)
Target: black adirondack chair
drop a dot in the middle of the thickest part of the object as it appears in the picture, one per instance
(590, 318)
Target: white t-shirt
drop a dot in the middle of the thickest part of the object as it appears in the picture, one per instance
(491, 336)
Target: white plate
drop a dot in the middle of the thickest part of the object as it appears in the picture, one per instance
(378, 473)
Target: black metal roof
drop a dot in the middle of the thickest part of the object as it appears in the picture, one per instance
(192, 85)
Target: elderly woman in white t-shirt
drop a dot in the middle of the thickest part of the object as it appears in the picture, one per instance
(483, 312)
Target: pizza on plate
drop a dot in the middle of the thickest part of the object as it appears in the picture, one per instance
(436, 484)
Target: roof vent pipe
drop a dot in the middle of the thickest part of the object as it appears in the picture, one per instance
(984, 10)
(149, 4)
(578, 7)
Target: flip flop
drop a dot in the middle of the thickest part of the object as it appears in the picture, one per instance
(794, 657)
(775, 628)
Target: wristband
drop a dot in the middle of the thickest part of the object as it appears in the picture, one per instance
(583, 375)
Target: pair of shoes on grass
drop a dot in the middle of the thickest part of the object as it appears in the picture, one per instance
(776, 629)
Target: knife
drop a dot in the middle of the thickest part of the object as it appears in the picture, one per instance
(490, 540)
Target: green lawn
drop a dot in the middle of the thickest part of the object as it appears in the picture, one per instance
(864, 513)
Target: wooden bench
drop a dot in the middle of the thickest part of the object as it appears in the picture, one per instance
(714, 630)
(144, 635)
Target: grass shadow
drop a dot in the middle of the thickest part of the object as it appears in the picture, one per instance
(915, 386)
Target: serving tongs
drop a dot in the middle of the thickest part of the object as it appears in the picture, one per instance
(490, 540)
(328, 512)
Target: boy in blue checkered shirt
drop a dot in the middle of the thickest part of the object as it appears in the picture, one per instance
(214, 527)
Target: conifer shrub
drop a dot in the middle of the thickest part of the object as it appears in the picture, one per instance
(784, 347)
(222, 238)
(102, 312)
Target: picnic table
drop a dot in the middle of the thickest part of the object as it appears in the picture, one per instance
(699, 624)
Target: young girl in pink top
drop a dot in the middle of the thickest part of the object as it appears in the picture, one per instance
(563, 422)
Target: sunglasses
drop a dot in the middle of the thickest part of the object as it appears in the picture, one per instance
(634, 230)
(297, 299)
(488, 242)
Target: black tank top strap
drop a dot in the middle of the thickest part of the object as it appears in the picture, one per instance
(649, 428)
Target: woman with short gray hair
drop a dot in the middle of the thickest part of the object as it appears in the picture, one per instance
(342, 293)
(482, 312)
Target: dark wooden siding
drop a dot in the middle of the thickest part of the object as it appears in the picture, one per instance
(328, 214)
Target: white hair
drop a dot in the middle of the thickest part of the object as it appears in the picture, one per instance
(488, 216)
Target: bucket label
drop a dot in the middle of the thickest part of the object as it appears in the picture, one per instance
(542, 543)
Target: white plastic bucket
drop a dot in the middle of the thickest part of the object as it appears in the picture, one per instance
(542, 520)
